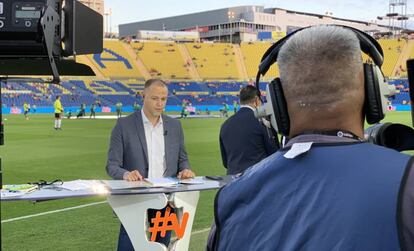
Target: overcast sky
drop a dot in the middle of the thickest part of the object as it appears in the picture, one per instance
(125, 11)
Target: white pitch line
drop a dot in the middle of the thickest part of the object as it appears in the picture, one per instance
(200, 231)
(52, 212)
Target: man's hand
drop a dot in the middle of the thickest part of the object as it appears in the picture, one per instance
(132, 176)
(186, 174)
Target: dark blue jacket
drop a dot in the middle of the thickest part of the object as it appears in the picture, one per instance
(244, 141)
(334, 197)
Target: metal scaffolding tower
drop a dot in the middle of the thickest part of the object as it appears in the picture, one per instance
(397, 16)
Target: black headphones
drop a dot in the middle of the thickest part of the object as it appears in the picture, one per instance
(375, 101)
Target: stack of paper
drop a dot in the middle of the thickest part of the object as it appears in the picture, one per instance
(192, 181)
(123, 184)
(171, 181)
(26, 188)
(17, 190)
(162, 182)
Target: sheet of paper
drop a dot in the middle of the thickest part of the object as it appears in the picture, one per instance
(162, 182)
(123, 184)
(192, 181)
(9, 194)
(76, 185)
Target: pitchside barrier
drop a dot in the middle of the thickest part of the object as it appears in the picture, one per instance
(106, 109)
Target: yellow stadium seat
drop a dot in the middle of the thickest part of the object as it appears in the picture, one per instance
(392, 50)
(115, 61)
(213, 61)
(253, 53)
(162, 59)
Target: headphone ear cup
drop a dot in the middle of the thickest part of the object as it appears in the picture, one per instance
(280, 107)
(373, 105)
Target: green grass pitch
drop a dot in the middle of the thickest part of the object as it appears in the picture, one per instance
(34, 150)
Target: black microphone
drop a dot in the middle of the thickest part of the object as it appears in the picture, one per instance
(165, 132)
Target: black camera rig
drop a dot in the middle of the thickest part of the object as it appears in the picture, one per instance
(393, 135)
(43, 37)
(38, 36)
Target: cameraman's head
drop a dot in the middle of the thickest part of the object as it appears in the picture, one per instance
(249, 96)
(322, 77)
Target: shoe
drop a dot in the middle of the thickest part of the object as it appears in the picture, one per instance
(55, 128)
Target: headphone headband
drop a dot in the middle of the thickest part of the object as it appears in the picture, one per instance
(376, 89)
(367, 43)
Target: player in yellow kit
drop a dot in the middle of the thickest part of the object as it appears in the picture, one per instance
(58, 113)
(26, 109)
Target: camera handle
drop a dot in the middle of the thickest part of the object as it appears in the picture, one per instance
(49, 24)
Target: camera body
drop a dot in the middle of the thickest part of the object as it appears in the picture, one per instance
(20, 34)
(20, 16)
(391, 135)
(74, 28)
(37, 36)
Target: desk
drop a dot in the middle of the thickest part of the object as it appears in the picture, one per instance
(131, 205)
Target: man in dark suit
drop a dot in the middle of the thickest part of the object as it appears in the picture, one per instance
(244, 140)
(147, 144)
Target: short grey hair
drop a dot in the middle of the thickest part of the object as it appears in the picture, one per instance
(153, 81)
(320, 66)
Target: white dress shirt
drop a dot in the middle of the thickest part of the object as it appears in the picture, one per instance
(154, 135)
(248, 106)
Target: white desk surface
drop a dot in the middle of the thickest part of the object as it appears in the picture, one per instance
(44, 194)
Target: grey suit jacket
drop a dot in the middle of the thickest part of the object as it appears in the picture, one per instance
(128, 147)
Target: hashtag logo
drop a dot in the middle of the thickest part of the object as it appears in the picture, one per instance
(167, 223)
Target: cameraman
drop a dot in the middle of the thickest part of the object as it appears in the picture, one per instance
(333, 191)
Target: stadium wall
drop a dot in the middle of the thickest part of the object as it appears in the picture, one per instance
(401, 108)
(128, 109)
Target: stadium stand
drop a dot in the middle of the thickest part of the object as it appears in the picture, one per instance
(186, 87)
(214, 63)
(108, 93)
(392, 50)
(214, 60)
(252, 55)
(105, 88)
(162, 59)
(115, 61)
(83, 59)
(134, 86)
(402, 96)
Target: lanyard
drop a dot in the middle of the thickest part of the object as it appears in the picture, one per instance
(337, 133)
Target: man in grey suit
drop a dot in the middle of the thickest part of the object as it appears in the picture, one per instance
(148, 144)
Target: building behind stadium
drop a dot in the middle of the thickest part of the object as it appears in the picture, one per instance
(243, 24)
